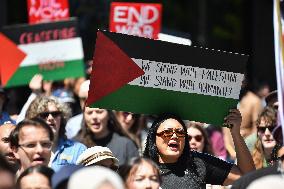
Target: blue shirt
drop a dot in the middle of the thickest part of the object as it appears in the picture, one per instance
(4, 117)
(67, 153)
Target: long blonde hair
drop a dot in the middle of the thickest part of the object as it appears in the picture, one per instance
(258, 156)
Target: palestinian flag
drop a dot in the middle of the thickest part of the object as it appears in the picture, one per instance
(53, 49)
(147, 76)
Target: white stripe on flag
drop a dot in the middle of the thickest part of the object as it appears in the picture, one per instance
(188, 79)
(55, 50)
(279, 64)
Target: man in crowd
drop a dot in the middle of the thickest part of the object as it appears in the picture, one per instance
(5, 148)
(31, 142)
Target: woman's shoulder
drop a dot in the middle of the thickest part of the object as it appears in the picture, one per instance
(121, 138)
(210, 161)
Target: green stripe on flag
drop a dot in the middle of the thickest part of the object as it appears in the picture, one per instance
(196, 107)
(23, 75)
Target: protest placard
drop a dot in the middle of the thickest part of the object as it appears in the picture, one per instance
(139, 19)
(152, 77)
(47, 10)
(53, 49)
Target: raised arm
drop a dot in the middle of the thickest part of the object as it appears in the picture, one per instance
(244, 160)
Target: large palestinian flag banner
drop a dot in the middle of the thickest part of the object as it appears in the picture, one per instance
(147, 76)
(52, 49)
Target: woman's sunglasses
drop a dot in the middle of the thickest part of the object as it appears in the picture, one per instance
(170, 132)
(263, 129)
(45, 115)
(197, 138)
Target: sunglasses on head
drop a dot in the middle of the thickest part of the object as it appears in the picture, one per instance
(198, 138)
(45, 115)
(263, 129)
(170, 132)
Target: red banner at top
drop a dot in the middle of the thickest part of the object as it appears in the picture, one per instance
(140, 19)
(47, 10)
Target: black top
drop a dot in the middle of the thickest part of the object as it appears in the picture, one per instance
(247, 179)
(122, 147)
(205, 169)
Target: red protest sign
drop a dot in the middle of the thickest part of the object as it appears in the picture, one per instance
(47, 10)
(140, 19)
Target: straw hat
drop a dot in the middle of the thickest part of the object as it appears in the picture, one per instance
(93, 155)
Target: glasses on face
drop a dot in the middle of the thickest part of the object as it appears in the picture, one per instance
(170, 132)
(197, 138)
(45, 115)
(46, 145)
(263, 129)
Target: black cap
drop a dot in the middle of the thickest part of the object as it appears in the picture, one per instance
(271, 98)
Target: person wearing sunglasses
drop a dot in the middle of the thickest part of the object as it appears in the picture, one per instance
(265, 143)
(198, 139)
(31, 142)
(55, 114)
(276, 169)
(167, 145)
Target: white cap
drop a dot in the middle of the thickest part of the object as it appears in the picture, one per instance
(93, 155)
(94, 177)
(271, 181)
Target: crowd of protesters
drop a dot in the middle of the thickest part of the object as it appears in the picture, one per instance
(57, 142)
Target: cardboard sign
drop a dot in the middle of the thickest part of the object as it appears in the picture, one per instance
(53, 49)
(152, 77)
(47, 10)
(139, 19)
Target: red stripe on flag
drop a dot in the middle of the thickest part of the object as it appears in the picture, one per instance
(11, 58)
(111, 69)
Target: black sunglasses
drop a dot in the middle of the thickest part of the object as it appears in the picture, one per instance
(198, 138)
(263, 129)
(45, 115)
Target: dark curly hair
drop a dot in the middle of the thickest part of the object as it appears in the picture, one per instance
(151, 150)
